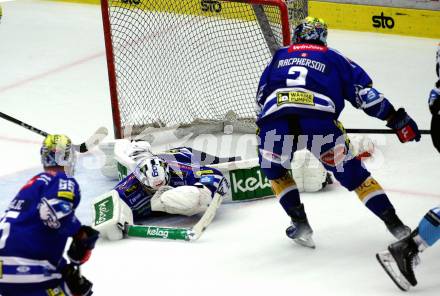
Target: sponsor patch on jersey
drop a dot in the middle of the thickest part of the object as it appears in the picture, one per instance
(311, 47)
(295, 97)
(334, 156)
(179, 166)
(55, 292)
(367, 189)
(207, 179)
(131, 189)
(172, 151)
(66, 194)
(178, 174)
(204, 172)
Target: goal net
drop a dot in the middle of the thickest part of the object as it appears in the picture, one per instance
(191, 63)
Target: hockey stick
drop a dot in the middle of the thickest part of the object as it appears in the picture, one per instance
(91, 142)
(378, 131)
(176, 233)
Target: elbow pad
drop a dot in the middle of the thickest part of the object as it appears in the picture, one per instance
(374, 103)
(368, 97)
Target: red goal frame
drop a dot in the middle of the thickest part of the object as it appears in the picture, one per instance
(110, 55)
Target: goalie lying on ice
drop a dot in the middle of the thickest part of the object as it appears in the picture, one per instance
(173, 182)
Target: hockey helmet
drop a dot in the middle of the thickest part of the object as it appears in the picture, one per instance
(152, 172)
(311, 30)
(57, 150)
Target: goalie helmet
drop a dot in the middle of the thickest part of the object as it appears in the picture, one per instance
(311, 30)
(57, 150)
(152, 172)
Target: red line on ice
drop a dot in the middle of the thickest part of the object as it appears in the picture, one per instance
(17, 140)
(50, 72)
(410, 192)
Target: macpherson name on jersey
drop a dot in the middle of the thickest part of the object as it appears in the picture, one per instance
(302, 62)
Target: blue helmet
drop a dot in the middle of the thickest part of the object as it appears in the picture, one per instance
(310, 30)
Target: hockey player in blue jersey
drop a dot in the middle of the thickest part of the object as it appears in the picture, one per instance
(300, 97)
(174, 182)
(404, 252)
(35, 228)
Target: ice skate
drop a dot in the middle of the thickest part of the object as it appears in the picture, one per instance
(388, 263)
(300, 230)
(399, 262)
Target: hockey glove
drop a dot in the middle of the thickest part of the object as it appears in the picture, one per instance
(434, 101)
(82, 244)
(404, 126)
(78, 285)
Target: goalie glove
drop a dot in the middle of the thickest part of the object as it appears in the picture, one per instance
(78, 284)
(82, 245)
(404, 126)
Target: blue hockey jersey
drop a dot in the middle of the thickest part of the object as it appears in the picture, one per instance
(35, 228)
(314, 80)
(185, 169)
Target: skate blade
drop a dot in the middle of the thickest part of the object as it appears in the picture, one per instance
(306, 242)
(388, 263)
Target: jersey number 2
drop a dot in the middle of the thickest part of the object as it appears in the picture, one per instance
(301, 79)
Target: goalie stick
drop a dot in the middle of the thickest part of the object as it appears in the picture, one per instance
(175, 233)
(91, 142)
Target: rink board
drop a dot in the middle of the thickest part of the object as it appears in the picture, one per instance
(379, 19)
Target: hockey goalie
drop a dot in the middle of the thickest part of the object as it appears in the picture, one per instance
(173, 182)
(180, 181)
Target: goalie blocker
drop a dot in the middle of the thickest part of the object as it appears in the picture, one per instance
(113, 217)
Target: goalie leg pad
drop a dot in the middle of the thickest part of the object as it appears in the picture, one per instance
(183, 200)
(109, 212)
(309, 174)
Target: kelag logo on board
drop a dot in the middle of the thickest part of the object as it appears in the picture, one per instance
(211, 5)
(382, 21)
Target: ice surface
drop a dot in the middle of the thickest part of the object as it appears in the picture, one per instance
(53, 75)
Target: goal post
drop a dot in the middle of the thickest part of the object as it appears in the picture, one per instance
(191, 63)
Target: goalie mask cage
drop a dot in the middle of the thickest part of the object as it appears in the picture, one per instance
(191, 64)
